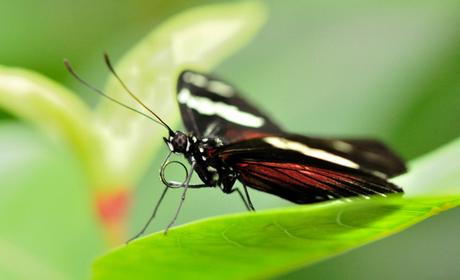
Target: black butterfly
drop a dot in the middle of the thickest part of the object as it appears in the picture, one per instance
(228, 139)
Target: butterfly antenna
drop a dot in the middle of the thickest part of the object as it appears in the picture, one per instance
(107, 61)
(67, 64)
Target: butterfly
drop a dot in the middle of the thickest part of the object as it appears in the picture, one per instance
(227, 139)
(230, 140)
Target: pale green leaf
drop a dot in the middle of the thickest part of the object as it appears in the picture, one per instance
(54, 110)
(198, 38)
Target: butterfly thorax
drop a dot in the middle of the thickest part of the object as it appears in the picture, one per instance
(211, 170)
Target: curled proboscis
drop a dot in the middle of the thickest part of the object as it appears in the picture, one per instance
(172, 184)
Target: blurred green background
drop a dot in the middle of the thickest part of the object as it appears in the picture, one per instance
(355, 68)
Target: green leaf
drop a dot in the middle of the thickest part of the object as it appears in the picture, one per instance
(434, 174)
(198, 38)
(267, 243)
(54, 110)
(247, 246)
(48, 229)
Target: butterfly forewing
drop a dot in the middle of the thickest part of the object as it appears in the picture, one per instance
(212, 107)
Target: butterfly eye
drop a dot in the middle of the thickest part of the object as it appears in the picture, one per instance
(180, 143)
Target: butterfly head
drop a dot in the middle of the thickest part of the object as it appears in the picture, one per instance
(178, 142)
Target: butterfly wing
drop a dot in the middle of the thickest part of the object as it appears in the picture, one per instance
(212, 107)
(306, 170)
(298, 168)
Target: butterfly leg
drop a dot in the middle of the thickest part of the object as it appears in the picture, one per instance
(151, 217)
(248, 199)
(243, 198)
(172, 184)
(186, 185)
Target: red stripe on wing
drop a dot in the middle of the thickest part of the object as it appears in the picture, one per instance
(304, 184)
(293, 174)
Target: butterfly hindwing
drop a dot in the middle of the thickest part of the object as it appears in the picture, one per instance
(305, 170)
(212, 107)
(301, 183)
